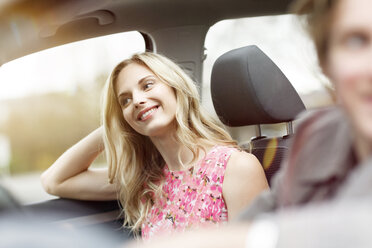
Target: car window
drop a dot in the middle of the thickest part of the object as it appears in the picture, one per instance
(285, 41)
(48, 101)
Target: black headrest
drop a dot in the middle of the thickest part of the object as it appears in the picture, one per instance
(249, 89)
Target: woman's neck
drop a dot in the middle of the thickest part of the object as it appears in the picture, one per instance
(363, 148)
(174, 153)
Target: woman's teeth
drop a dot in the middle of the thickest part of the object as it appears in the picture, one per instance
(147, 113)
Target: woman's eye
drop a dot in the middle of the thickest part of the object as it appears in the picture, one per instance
(356, 41)
(125, 101)
(148, 84)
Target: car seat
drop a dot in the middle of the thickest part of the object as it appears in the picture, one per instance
(247, 88)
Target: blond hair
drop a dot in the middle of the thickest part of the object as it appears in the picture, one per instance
(134, 162)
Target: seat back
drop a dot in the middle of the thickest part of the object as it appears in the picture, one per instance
(247, 88)
(270, 152)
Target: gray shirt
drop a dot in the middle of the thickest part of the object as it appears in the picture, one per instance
(318, 164)
(321, 196)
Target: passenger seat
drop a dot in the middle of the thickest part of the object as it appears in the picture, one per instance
(249, 89)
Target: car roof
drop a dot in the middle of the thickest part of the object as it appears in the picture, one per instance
(27, 26)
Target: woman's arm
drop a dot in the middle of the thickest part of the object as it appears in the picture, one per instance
(244, 180)
(71, 177)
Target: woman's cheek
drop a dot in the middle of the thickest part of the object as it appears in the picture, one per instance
(343, 72)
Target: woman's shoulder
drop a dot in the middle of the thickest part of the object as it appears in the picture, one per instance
(320, 118)
(323, 127)
(243, 162)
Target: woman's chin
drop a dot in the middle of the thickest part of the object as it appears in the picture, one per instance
(364, 131)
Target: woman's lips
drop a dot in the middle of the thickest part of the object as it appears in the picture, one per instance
(146, 113)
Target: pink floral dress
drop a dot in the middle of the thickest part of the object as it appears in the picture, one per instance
(192, 198)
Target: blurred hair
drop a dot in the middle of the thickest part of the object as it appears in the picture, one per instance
(134, 162)
(319, 17)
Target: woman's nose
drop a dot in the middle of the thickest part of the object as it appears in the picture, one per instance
(139, 99)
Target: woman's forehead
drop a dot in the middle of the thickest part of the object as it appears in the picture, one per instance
(134, 71)
(131, 75)
(352, 13)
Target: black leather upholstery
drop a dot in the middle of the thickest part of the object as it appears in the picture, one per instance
(249, 89)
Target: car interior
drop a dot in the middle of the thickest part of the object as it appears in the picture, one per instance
(247, 87)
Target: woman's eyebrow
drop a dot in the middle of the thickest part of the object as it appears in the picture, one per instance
(125, 92)
(144, 79)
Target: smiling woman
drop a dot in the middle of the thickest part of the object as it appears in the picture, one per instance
(171, 164)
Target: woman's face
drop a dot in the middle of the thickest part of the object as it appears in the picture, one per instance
(349, 62)
(148, 105)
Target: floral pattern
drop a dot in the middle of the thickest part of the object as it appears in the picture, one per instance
(191, 198)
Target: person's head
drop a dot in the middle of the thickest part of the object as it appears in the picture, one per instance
(149, 96)
(342, 32)
(131, 90)
(148, 105)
